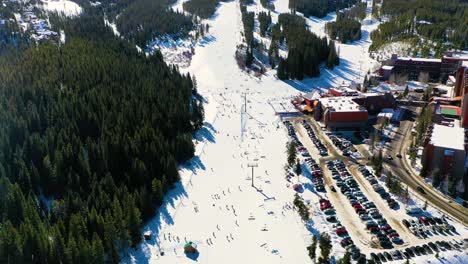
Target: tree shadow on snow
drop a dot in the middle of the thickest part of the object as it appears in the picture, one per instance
(206, 133)
(328, 78)
(207, 40)
(194, 164)
(173, 199)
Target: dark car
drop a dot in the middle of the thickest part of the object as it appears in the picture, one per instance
(421, 190)
(421, 250)
(428, 249)
(416, 251)
(410, 252)
(388, 256)
(433, 246)
(406, 223)
(381, 257)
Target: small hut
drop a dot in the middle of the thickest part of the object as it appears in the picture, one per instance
(147, 235)
(190, 247)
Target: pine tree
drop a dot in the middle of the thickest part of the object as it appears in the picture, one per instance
(346, 258)
(298, 169)
(134, 223)
(249, 57)
(198, 114)
(158, 193)
(312, 248)
(97, 250)
(292, 152)
(405, 93)
(389, 180)
(281, 71)
(325, 246)
(332, 57)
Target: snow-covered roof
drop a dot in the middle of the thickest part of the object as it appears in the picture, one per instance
(448, 137)
(341, 104)
(419, 59)
(312, 95)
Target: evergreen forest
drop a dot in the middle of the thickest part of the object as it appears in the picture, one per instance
(319, 8)
(443, 22)
(91, 136)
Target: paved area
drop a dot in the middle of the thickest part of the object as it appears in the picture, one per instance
(344, 210)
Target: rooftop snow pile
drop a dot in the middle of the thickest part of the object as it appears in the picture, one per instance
(448, 137)
(341, 104)
(65, 7)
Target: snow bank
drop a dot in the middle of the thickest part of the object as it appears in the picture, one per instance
(65, 7)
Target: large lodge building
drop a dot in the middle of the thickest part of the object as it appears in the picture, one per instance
(437, 69)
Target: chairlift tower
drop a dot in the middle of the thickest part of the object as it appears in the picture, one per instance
(252, 165)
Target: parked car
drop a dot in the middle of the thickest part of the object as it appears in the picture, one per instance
(421, 190)
(341, 231)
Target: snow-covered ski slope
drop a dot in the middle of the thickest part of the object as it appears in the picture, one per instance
(215, 205)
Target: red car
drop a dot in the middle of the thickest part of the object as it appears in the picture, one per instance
(356, 206)
(324, 204)
(341, 231)
(386, 227)
(374, 229)
(423, 220)
(359, 210)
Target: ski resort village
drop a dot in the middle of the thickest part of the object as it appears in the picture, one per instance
(364, 163)
(296, 131)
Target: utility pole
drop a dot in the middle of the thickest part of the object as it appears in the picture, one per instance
(252, 165)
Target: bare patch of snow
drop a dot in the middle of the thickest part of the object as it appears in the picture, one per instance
(66, 7)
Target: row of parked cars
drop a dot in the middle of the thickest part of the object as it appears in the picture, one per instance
(327, 208)
(317, 174)
(342, 143)
(292, 134)
(414, 251)
(378, 188)
(318, 144)
(314, 168)
(425, 226)
(366, 209)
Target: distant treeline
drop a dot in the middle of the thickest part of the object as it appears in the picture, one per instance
(96, 128)
(319, 8)
(347, 26)
(306, 51)
(143, 20)
(443, 22)
(201, 8)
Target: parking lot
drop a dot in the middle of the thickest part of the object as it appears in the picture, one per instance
(364, 212)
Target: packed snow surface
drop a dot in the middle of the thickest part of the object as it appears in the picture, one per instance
(214, 205)
(65, 7)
